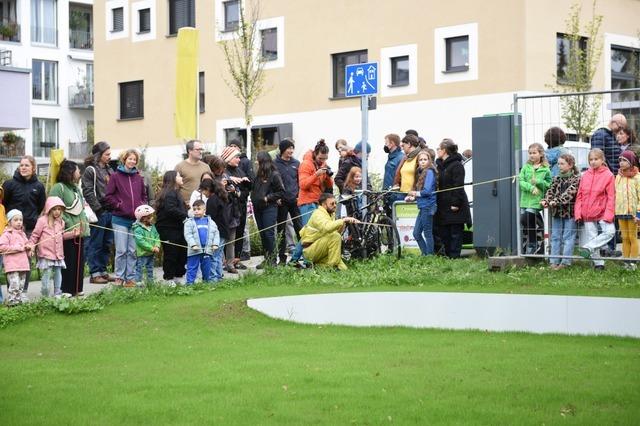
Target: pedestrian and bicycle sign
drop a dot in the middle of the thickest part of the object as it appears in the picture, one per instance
(361, 79)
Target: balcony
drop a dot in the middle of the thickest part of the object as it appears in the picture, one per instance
(81, 97)
(79, 150)
(80, 39)
(12, 150)
(9, 31)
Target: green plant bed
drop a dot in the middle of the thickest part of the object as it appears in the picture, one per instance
(208, 359)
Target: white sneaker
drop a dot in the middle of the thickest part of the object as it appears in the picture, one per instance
(170, 283)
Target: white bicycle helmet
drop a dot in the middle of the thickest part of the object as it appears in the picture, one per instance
(143, 210)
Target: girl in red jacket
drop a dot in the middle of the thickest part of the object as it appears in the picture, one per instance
(595, 205)
(48, 235)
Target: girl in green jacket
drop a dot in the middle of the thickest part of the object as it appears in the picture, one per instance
(535, 179)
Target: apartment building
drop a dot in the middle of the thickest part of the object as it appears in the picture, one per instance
(441, 63)
(53, 39)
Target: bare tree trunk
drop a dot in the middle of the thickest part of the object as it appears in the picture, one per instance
(249, 141)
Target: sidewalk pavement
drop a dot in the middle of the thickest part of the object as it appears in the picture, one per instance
(34, 286)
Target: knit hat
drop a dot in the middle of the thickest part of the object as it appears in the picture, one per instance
(285, 144)
(358, 148)
(630, 156)
(99, 148)
(229, 153)
(13, 213)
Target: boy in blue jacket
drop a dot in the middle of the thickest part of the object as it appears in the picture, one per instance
(203, 239)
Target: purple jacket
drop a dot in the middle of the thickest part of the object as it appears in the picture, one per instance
(125, 191)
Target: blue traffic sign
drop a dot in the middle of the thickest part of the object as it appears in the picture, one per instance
(361, 79)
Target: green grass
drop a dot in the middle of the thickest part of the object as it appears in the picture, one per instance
(206, 358)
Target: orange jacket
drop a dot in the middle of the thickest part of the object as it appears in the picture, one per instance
(311, 186)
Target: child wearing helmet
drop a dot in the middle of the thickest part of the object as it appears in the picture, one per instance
(47, 236)
(147, 241)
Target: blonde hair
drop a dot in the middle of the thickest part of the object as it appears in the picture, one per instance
(125, 154)
(598, 153)
(540, 149)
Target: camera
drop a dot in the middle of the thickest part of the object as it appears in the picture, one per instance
(329, 171)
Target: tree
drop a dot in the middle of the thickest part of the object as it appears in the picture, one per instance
(245, 64)
(580, 112)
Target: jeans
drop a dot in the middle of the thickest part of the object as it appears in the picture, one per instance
(144, 263)
(451, 236)
(288, 208)
(216, 262)
(202, 261)
(98, 248)
(563, 238)
(597, 240)
(125, 263)
(266, 221)
(305, 210)
(423, 230)
(53, 273)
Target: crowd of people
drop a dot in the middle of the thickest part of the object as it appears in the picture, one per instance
(603, 199)
(197, 221)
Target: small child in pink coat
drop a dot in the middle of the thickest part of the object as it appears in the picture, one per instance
(47, 236)
(15, 256)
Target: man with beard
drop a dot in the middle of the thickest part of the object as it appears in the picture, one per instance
(321, 237)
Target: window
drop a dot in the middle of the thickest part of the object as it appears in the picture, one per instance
(80, 27)
(201, 90)
(269, 44)
(457, 54)
(131, 100)
(231, 15)
(44, 85)
(264, 137)
(117, 19)
(625, 74)
(340, 60)
(43, 22)
(45, 136)
(564, 49)
(182, 13)
(144, 20)
(400, 71)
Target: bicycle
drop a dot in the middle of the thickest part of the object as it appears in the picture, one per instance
(377, 234)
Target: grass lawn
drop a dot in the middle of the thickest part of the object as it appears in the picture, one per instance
(207, 358)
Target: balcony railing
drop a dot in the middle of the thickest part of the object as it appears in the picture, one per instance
(9, 31)
(79, 150)
(5, 58)
(80, 39)
(81, 97)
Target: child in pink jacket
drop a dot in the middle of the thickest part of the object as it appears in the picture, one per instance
(595, 205)
(15, 252)
(47, 236)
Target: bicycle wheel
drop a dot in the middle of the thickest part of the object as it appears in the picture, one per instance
(389, 237)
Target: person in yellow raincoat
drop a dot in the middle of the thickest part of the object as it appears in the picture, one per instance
(321, 236)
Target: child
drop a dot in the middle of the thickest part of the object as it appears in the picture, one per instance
(353, 182)
(3, 224)
(560, 198)
(170, 214)
(201, 193)
(628, 204)
(425, 196)
(535, 179)
(48, 236)
(201, 234)
(147, 241)
(15, 250)
(595, 205)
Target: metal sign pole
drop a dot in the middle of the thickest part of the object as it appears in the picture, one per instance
(364, 107)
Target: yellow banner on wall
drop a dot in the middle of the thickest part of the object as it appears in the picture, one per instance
(186, 115)
(55, 159)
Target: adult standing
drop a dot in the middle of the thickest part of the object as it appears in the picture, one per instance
(406, 171)
(627, 140)
(26, 193)
(69, 192)
(288, 168)
(394, 156)
(314, 180)
(242, 246)
(347, 162)
(453, 206)
(171, 211)
(605, 139)
(191, 169)
(94, 184)
(265, 196)
(125, 191)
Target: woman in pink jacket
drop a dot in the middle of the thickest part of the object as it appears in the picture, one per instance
(15, 251)
(47, 236)
(595, 205)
